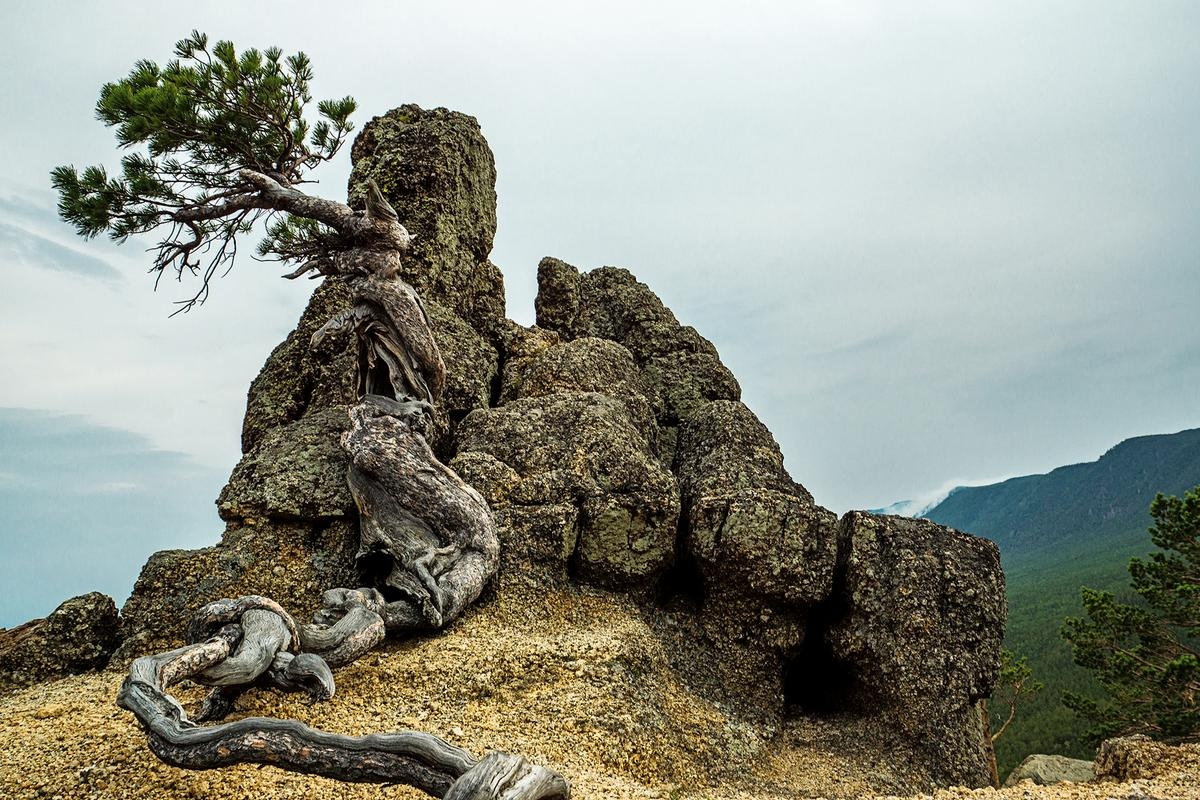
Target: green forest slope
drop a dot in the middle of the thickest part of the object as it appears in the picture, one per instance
(1078, 525)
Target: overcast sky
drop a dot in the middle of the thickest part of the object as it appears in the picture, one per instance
(936, 242)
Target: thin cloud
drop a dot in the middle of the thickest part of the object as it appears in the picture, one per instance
(82, 505)
(17, 243)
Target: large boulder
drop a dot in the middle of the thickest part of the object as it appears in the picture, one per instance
(587, 365)
(919, 633)
(438, 172)
(296, 471)
(577, 484)
(79, 635)
(1046, 770)
(757, 536)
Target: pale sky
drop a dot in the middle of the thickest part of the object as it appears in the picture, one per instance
(937, 243)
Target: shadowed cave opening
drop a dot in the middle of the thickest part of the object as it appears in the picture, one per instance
(815, 682)
(681, 587)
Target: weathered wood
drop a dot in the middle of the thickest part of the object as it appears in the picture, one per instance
(212, 616)
(306, 672)
(426, 537)
(508, 777)
(264, 633)
(375, 232)
(350, 625)
(430, 534)
(417, 759)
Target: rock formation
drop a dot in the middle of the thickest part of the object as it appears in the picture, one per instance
(79, 635)
(291, 520)
(629, 483)
(1046, 770)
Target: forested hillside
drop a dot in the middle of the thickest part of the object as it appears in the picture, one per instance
(1077, 525)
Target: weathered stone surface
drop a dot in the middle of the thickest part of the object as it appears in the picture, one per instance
(610, 303)
(591, 365)
(728, 448)
(294, 378)
(921, 632)
(580, 449)
(472, 363)
(437, 171)
(292, 563)
(521, 346)
(584, 365)
(1138, 757)
(756, 535)
(1046, 770)
(79, 635)
(542, 536)
(295, 472)
(557, 301)
(763, 545)
(681, 370)
(681, 383)
(537, 540)
(763, 552)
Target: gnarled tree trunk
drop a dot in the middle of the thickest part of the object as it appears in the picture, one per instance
(428, 542)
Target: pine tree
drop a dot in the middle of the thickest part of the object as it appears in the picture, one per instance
(1147, 656)
(221, 139)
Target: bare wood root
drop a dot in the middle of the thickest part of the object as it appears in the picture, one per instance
(264, 634)
(350, 625)
(213, 615)
(508, 777)
(416, 759)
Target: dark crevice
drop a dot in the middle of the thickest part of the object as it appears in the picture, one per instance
(681, 587)
(815, 681)
(497, 381)
(374, 566)
(379, 381)
(574, 561)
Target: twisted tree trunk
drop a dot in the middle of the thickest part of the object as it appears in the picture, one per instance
(428, 543)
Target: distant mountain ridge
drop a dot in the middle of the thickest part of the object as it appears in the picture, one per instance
(1087, 503)
(904, 508)
(1074, 526)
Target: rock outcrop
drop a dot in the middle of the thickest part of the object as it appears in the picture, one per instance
(1047, 770)
(629, 484)
(79, 635)
(922, 609)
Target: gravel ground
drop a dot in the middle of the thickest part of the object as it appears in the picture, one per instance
(575, 681)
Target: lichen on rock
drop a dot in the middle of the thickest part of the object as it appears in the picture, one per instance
(79, 635)
(674, 597)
